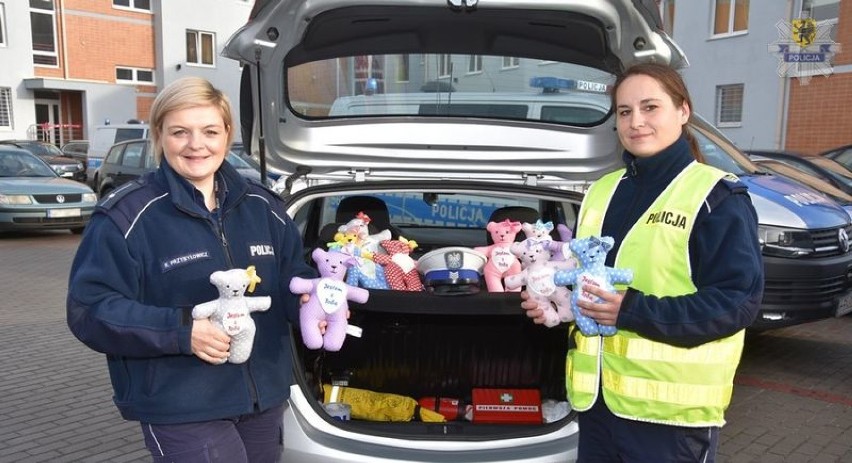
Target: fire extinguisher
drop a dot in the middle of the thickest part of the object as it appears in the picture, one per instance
(451, 409)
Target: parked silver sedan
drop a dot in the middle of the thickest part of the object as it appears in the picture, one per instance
(33, 196)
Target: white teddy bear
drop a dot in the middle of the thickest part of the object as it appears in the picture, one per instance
(231, 312)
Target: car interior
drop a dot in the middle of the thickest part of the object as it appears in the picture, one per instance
(418, 344)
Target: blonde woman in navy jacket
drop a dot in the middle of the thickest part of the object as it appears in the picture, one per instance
(657, 390)
(145, 260)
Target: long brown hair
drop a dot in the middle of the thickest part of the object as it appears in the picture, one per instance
(675, 88)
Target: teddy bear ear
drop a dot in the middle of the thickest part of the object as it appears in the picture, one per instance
(318, 254)
(216, 277)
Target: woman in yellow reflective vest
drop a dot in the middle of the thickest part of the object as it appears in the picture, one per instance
(658, 389)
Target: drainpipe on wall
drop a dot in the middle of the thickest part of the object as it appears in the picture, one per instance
(64, 40)
(784, 96)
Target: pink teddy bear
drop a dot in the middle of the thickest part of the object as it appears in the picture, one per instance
(501, 262)
(538, 274)
(329, 296)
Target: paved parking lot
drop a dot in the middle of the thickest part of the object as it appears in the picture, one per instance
(792, 403)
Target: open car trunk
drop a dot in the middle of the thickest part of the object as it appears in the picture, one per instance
(422, 344)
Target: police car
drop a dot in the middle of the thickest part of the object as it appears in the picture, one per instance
(433, 118)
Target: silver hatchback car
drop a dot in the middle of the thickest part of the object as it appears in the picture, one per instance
(435, 117)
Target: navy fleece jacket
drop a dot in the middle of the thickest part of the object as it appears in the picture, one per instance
(727, 267)
(144, 262)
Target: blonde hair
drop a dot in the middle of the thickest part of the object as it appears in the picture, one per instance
(185, 93)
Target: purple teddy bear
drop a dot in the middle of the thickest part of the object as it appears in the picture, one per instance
(329, 296)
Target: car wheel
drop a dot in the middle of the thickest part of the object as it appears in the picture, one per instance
(78, 230)
(105, 191)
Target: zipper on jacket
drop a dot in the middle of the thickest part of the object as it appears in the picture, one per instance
(220, 216)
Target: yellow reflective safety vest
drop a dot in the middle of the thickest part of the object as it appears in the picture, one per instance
(643, 379)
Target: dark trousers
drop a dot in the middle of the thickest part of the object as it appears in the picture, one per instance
(253, 438)
(605, 437)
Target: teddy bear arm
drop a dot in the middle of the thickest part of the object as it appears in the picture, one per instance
(620, 276)
(483, 249)
(383, 235)
(205, 310)
(258, 303)
(299, 285)
(382, 259)
(353, 276)
(516, 281)
(356, 294)
(565, 277)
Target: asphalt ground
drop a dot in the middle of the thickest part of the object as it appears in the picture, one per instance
(792, 401)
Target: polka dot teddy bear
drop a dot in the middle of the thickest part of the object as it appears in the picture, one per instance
(591, 255)
(399, 267)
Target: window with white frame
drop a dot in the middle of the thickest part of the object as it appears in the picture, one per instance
(2, 25)
(730, 17)
(127, 75)
(511, 62)
(403, 68)
(825, 12)
(43, 24)
(6, 107)
(144, 5)
(729, 105)
(445, 65)
(474, 64)
(200, 47)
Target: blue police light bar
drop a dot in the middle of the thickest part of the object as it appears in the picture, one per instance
(552, 84)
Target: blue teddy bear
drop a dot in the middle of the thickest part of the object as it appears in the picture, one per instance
(591, 254)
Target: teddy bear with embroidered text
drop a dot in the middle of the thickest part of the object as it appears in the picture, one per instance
(501, 262)
(328, 301)
(591, 254)
(538, 275)
(231, 311)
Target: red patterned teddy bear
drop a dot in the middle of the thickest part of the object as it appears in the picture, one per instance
(400, 269)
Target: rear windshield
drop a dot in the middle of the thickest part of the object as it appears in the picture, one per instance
(446, 85)
(432, 219)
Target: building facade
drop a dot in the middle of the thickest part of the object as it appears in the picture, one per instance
(83, 63)
(737, 79)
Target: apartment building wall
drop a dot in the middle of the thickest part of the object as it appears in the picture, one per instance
(17, 49)
(742, 58)
(819, 112)
(92, 39)
(172, 21)
(100, 37)
(779, 112)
